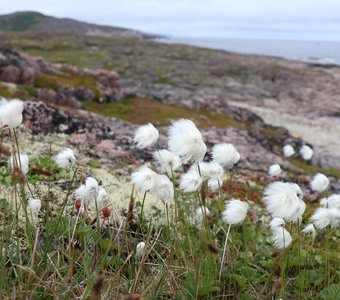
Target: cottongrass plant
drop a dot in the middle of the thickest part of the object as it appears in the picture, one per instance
(234, 214)
(288, 151)
(319, 183)
(284, 200)
(145, 136)
(65, 159)
(65, 239)
(274, 170)
(306, 152)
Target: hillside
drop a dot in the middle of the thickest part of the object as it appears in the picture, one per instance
(91, 209)
(300, 97)
(36, 22)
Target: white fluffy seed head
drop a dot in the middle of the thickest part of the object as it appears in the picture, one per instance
(144, 179)
(215, 184)
(215, 170)
(145, 136)
(306, 152)
(190, 181)
(167, 162)
(310, 230)
(140, 249)
(102, 198)
(34, 205)
(324, 217)
(20, 161)
(186, 141)
(277, 222)
(201, 213)
(235, 212)
(88, 192)
(284, 200)
(163, 189)
(208, 170)
(319, 183)
(288, 151)
(65, 159)
(225, 154)
(11, 113)
(332, 201)
(281, 237)
(274, 170)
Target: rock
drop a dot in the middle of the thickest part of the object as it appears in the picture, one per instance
(108, 147)
(108, 83)
(83, 139)
(15, 68)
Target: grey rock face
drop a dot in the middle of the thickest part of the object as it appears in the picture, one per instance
(15, 68)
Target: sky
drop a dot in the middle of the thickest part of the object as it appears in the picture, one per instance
(259, 19)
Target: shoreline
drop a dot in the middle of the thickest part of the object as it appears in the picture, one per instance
(263, 48)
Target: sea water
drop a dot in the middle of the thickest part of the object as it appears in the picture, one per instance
(308, 51)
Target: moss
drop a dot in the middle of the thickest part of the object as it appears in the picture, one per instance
(65, 80)
(141, 110)
(94, 163)
(310, 169)
(29, 90)
(15, 92)
(270, 133)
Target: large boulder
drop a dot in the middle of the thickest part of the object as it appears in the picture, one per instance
(15, 68)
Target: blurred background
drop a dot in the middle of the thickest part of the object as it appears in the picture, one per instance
(264, 72)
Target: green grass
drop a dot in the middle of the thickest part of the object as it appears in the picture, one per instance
(60, 255)
(142, 110)
(18, 91)
(56, 81)
(311, 169)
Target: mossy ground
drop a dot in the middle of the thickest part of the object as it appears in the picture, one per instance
(142, 110)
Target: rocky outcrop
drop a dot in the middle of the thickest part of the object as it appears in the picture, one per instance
(21, 69)
(107, 83)
(15, 68)
(114, 137)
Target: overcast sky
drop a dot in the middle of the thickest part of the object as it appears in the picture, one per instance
(269, 19)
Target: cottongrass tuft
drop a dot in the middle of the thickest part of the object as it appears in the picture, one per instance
(332, 201)
(324, 217)
(190, 181)
(102, 198)
(145, 136)
(235, 212)
(310, 230)
(225, 154)
(284, 200)
(166, 161)
(11, 113)
(319, 183)
(186, 141)
(288, 151)
(277, 222)
(208, 170)
(163, 189)
(215, 184)
(306, 152)
(34, 205)
(87, 192)
(281, 237)
(65, 159)
(21, 161)
(202, 212)
(274, 170)
(144, 179)
(140, 249)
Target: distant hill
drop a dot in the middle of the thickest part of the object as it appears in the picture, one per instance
(29, 21)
